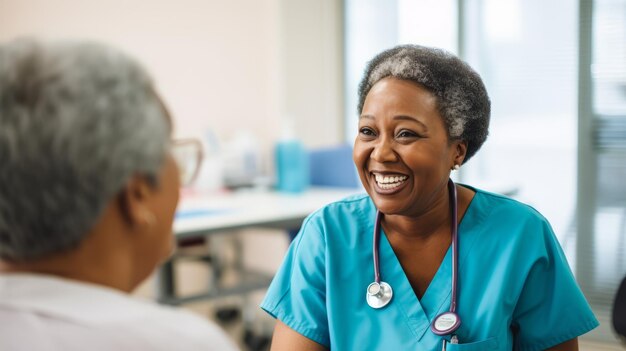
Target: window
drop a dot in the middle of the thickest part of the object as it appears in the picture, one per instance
(375, 25)
(601, 221)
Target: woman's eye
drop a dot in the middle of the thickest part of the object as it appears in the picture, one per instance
(406, 134)
(367, 131)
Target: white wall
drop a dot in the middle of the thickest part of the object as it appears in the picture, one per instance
(311, 43)
(224, 65)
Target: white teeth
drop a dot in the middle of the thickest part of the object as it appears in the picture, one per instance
(389, 182)
(394, 179)
(389, 186)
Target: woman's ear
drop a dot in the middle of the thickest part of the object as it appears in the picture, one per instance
(134, 202)
(460, 147)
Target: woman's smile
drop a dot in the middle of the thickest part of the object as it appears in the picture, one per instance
(388, 183)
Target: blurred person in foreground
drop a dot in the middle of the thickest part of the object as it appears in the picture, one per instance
(88, 189)
(421, 263)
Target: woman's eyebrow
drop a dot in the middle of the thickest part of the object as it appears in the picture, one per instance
(410, 119)
(398, 117)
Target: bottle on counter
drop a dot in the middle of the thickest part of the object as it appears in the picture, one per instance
(292, 162)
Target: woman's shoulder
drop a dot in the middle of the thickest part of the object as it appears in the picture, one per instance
(351, 212)
(502, 205)
(353, 205)
(502, 213)
(500, 221)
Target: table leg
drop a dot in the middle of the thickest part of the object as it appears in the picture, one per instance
(166, 291)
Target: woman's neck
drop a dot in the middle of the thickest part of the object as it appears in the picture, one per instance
(100, 274)
(430, 223)
(92, 262)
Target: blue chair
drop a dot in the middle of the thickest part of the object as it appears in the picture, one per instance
(333, 167)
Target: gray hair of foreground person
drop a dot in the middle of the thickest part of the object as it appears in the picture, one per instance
(77, 120)
(462, 99)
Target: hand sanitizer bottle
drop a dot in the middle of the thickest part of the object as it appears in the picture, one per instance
(292, 162)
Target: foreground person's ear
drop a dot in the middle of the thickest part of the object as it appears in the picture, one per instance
(134, 202)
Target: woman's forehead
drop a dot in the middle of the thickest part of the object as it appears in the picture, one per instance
(399, 94)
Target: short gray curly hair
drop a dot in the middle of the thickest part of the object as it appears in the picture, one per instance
(461, 95)
(77, 120)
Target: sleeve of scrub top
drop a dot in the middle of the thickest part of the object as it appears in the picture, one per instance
(297, 295)
(551, 309)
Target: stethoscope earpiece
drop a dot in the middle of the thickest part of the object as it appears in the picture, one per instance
(379, 293)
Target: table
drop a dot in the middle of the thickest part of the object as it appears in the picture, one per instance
(202, 216)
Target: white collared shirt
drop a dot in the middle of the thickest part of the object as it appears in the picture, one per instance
(46, 313)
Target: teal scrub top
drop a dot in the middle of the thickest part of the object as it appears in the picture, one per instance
(512, 275)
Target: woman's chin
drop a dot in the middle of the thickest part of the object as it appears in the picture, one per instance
(388, 207)
(389, 200)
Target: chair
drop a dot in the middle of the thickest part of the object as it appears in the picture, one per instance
(333, 167)
(619, 310)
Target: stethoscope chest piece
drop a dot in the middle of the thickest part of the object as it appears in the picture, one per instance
(445, 323)
(379, 294)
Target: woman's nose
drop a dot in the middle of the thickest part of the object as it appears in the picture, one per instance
(384, 152)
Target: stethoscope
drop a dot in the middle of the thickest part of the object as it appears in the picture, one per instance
(379, 293)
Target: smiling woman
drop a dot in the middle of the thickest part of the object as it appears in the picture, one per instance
(402, 150)
(470, 270)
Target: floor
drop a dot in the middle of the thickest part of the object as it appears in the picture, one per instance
(595, 346)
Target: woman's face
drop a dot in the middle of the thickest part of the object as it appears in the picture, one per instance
(402, 151)
(166, 205)
(157, 243)
(167, 201)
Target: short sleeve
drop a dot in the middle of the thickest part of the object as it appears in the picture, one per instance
(297, 294)
(551, 308)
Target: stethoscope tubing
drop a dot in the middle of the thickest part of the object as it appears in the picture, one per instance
(379, 217)
(455, 257)
(455, 242)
